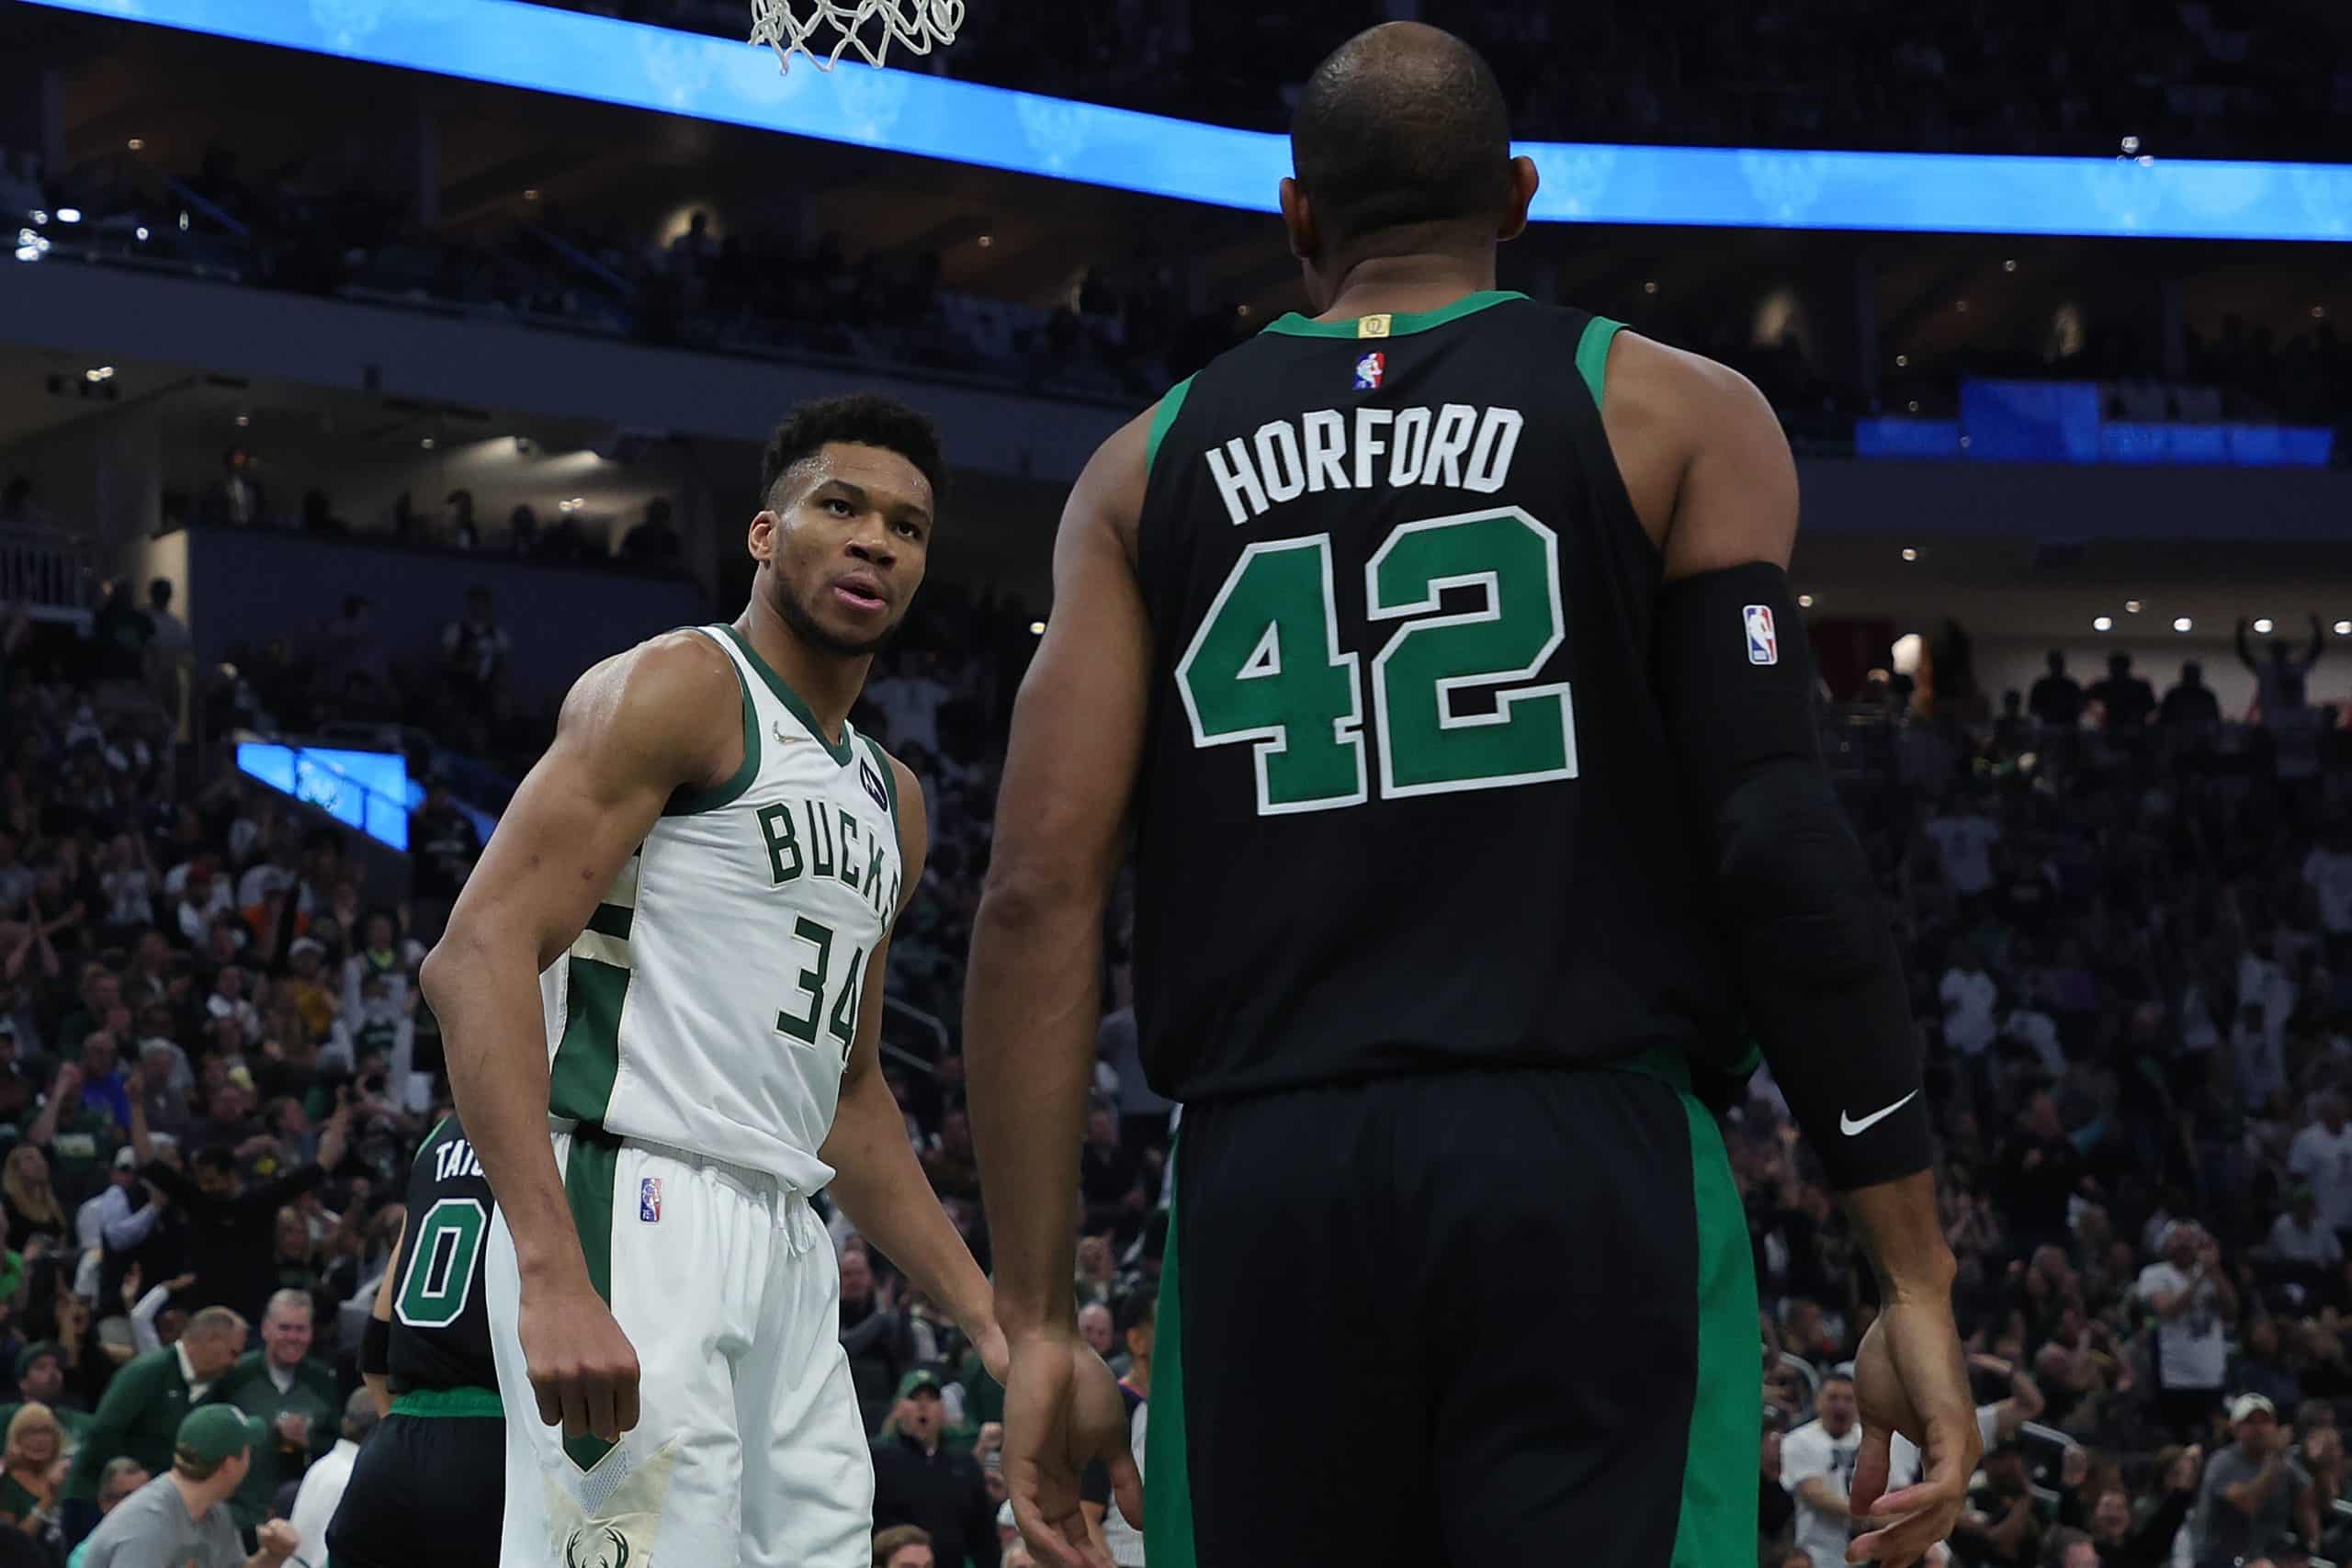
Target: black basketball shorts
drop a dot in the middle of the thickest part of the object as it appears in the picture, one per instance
(427, 1490)
(1504, 1318)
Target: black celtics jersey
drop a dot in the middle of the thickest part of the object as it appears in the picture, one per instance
(440, 1322)
(1407, 801)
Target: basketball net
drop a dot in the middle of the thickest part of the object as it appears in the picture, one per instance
(824, 30)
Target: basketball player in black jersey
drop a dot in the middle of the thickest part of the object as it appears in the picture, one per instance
(1436, 654)
(429, 1485)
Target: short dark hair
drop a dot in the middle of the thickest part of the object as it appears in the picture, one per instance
(897, 1538)
(216, 1156)
(1401, 125)
(863, 418)
(1138, 1308)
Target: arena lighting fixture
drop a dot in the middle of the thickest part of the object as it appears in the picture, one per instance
(99, 373)
(1805, 601)
(426, 444)
(137, 145)
(1036, 628)
(2131, 606)
(141, 232)
(2010, 265)
(1902, 362)
(987, 241)
(1650, 287)
(2343, 628)
(40, 217)
(69, 215)
(1908, 553)
(243, 420)
(2103, 624)
(2182, 623)
(2263, 626)
(635, 65)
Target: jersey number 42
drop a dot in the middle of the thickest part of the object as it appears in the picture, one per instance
(1266, 666)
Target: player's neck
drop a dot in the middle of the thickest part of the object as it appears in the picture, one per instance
(1408, 285)
(828, 681)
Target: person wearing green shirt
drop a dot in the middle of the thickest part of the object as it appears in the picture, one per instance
(139, 1414)
(294, 1397)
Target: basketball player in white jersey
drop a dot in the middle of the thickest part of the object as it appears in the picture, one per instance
(662, 992)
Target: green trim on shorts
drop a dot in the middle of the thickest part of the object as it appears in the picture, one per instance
(1716, 1527)
(435, 1403)
(590, 1170)
(1167, 1469)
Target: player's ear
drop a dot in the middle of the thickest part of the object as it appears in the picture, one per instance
(1523, 183)
(1298, 221)
(760, 540)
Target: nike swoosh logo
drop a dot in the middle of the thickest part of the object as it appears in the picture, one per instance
(1852, 1128)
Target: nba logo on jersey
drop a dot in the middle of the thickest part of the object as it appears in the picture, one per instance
(1763, 648)
(648, 1200)
(1369, 370)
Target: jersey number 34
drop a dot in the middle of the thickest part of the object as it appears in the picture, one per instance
(1266, 666)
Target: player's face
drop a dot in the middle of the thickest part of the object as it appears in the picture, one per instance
(846, 543)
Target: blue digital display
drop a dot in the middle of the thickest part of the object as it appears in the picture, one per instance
(519, 45)
(369, 791)
(2062, 422)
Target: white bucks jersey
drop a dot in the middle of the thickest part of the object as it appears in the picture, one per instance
(710, 1004)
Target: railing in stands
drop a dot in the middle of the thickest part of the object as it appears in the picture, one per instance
(43, 571)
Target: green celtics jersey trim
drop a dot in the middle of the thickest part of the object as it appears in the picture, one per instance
(711, 1000)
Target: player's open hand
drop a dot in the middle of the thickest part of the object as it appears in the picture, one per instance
(582, 1368)
(1062, 1411)
(1909, 1378)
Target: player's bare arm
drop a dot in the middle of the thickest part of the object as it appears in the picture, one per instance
(635, 730)
(1031, 1002)
(379, 1382)
(1709, 472)
(877, 1181)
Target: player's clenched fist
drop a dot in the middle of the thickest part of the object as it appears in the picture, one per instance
(582, 1367)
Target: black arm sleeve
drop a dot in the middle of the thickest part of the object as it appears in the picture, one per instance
(1818, 975)
(376, 1345)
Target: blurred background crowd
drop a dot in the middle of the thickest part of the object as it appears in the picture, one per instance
(355, 429)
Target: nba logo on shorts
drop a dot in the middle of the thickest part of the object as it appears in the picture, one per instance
(1369, 370)
(1763, 648)
(648, 1200)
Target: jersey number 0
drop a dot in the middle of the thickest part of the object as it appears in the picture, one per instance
(1266, 665)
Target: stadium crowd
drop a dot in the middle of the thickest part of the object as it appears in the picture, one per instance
(2129, 927)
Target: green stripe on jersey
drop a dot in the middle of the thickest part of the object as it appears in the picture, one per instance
(611, 920)
(687, 802)
(590, 1168)
(588, 1056)
(1592, 353)
(839, 750)
(889, 777)
(1161, 418)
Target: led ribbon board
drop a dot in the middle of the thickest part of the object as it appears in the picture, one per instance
(519, 45)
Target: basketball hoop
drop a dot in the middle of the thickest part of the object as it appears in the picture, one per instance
(823, 30)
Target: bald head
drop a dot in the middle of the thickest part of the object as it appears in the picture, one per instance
(1401, 126)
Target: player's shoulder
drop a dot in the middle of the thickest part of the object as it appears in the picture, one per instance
(1645, 376)
(670, 687)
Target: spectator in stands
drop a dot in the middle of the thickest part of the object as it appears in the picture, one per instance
(40, 1380)
(443, 845)
(28, 1490)
(653, 542)
(2320, 1158)
(951, 1164)
(465, 533)
(2194, 1302)
(2127, 700)
(875, 1336)
(25, 1194)
(918, 1481)
(121, 633)
(323, 1483)
(2279, 680)
(903, 1546)
(1110, 1177)
(236, 498)
(474, 650)
(181, 1518)
(2056, 699)
(122, 1477)
(287, 1393)
(2192, 701)
(2253, 1495)
(2001, 1525)
(2327, 871)
(1970, 997)
(2303, 1247)
(146, 1403)
(232, 1227)
(2146, 1543)
(1817, 1470)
